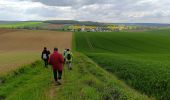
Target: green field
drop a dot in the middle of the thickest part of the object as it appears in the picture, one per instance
(140, 59)
(21, 25)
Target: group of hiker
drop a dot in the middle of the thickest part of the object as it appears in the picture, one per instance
(57, 61)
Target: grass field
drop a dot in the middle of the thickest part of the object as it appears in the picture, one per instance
(20, 25)
(20, 47)
(140, 59)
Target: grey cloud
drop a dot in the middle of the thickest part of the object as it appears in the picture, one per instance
(100, 10)
(51, 12)
(73, 3)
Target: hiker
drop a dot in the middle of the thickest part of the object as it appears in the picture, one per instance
(64, 54)
(69, 57)
(57, 60)
(45, 56)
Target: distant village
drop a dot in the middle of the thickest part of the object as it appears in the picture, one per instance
(108, 28)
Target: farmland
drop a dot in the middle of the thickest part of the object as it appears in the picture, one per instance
(140, 59)
(20, 47)
(84, 50)
(106, 65)
(22, 72)
(20, 25)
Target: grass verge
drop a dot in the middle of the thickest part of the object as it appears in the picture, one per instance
(26, 83)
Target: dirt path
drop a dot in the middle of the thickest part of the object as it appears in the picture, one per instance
(51, 93)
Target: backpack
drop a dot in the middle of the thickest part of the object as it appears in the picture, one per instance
(65, 52)
(69, 56)
(44, 56)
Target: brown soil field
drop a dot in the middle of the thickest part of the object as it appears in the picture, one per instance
(4, 31)
(18, 47)
(34, 40)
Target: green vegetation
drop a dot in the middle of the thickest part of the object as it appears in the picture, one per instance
(27, 83)
(86, 81)
(25, 25)
(141, 59)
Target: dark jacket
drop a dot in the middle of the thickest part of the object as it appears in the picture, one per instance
(47, 54)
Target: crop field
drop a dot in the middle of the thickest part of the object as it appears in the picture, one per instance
(20, 47)
(20, 24)
(140, 59)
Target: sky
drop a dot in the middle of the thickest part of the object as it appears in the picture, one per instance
(112, 11)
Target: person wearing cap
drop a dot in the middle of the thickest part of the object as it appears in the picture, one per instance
(56, 60)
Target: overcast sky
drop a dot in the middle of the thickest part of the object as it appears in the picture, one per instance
(131, 11)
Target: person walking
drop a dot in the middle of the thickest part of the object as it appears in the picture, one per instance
(56, 60)
(65, 55)
(45, 56)
(69, 58)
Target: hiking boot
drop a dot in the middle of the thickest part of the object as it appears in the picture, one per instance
(59, 82)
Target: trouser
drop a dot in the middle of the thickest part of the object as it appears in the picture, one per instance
(69, 64)
(46, 62)
(56, 77)
(64, 60)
